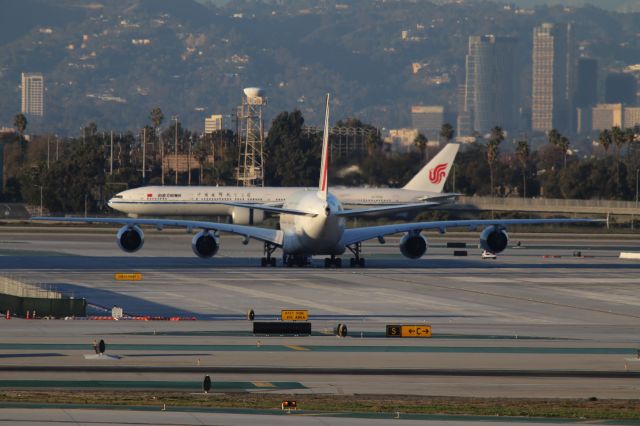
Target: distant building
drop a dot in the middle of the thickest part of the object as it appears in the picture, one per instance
(490, 94)
(553, 67)
(583, 119)
(606, 116)
(428, 120)
(212, 124)
(401, 140)
(620, 88)
(33, 94)
(586, 89)
(631, 117)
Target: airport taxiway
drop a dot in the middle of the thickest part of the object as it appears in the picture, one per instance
(537, 309)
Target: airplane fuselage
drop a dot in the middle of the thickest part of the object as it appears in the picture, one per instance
(200, 200)
(310, 235)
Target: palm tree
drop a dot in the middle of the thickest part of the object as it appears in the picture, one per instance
(553, 137)
(618, 138)
(493, 143)
(447, 132)
(156, 116)
(420, 142)
(605, 139)
(563, 143)
(20, 121)
(522, 153)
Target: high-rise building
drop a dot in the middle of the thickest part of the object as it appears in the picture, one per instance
(428, 120)
(212, 124)
(33, 94)
(553, 68)
(606, 116)
(631, 117)
(620, 88)
(490, 92)
(586, 89)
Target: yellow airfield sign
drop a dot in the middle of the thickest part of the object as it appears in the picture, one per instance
(128, 276)
(408, 331)
(292, 315)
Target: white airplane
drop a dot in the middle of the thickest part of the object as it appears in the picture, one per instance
(425, 186)
(312, 222)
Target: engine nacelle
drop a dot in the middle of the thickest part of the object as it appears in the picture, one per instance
(130, 238)
(205, 244)
(494, 239)
(413, 246)
(244, 216)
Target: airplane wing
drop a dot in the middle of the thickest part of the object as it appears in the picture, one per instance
(273, 236)
(386, 209)
(270, 208)
(356, 235)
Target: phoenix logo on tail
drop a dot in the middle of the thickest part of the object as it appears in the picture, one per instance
(438, 173)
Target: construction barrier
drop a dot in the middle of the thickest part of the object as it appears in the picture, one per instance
(58, 308)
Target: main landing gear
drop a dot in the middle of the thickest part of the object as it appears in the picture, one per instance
(267, 260)
(356, 261)
(332, 261)
(295, 260)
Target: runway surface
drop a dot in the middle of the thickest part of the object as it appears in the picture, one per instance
(536, 322)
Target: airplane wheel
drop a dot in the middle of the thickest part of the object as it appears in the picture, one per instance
(273, 262)
(352, 262)
(361, 262)
(263, 262)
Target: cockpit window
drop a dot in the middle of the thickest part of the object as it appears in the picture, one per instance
(118, 196)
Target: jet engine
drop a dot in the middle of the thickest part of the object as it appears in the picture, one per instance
(205, 244)
(413, 246)
(494, 239)
(245, 216)
(130, 238)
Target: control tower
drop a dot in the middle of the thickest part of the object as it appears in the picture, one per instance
(250, 170)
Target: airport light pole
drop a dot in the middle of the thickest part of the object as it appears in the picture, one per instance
(175, 118)
(637, 171)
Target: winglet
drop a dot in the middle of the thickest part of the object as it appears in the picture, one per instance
(323, 185)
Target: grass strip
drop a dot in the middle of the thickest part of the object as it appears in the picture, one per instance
(578, 409)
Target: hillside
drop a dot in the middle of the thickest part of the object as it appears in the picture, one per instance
(112, 62)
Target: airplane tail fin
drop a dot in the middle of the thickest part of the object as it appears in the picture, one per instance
(431, 178)
(323, 185)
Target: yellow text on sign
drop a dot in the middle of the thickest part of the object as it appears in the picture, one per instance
(135, 276)
(416, 331)
(295, 315)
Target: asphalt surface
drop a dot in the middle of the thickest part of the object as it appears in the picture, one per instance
(538, 321)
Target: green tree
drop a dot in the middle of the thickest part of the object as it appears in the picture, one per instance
(522, 154)
(293, 156)
(20, 121)
(605, 139)
(373, 142)
(201, 153)
(156, 116)
(420, 142)
(447, 132)
(563, 144)
(495, 138)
